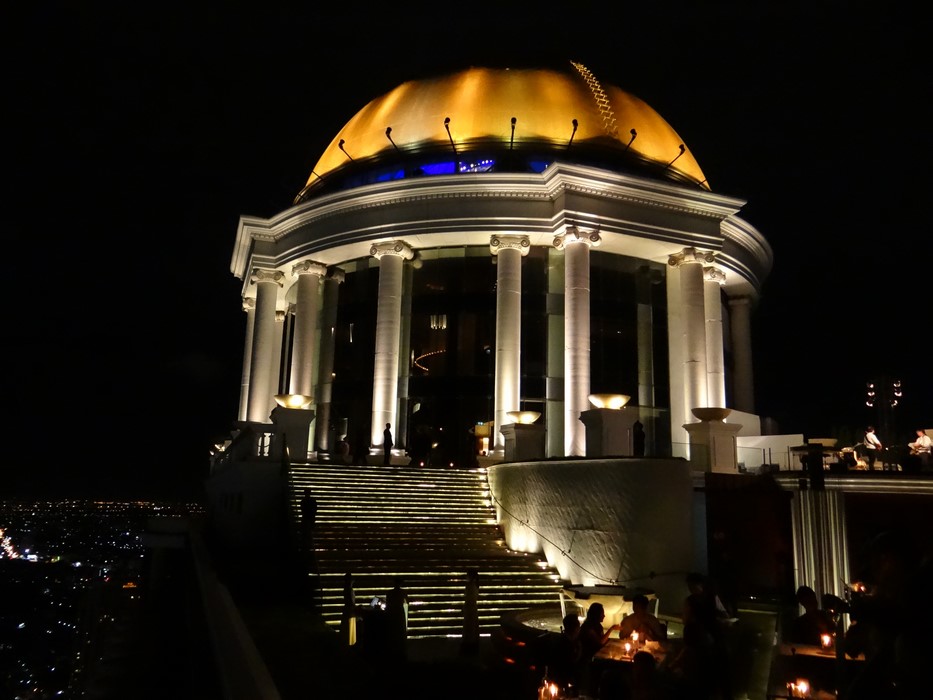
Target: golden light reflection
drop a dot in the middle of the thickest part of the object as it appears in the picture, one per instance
(544, 103)
(615, 401)
(523, 417)
(294, 400)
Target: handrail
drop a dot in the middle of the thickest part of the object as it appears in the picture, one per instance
(242, 673)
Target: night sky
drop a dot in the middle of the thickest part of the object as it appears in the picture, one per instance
(140, 134)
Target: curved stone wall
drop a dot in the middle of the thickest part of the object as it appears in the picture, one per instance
(623, 521)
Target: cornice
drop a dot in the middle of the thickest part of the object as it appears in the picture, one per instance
(556, 181)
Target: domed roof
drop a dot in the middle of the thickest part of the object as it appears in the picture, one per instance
(496, 112)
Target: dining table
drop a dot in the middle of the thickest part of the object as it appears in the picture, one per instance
(821, 668)
(615, 650)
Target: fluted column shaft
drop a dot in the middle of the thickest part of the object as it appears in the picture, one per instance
(508, 251)
(821, 553)
(388, 327)
(693, 314)
(645, 336)
(301, 372)
(325, 381)
(263, 357)
(400, 434)
(742, 375)
(281, 328)
(715, 359)
(576, 246)
(249, 306)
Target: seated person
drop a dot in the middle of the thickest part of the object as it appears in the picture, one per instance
(566, 656)
(922, 448)
(814, 622)
(592, 634)
(649, 628)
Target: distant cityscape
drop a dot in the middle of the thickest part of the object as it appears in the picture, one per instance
(72, 578)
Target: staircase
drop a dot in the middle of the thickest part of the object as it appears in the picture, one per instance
(427, 526)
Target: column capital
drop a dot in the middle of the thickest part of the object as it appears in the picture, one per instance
(398, 248)
(249, 303)
(714, 274)
(280, 315)
(519, 243)
(336, 274)
(309, 267)
(260, 275)
(575, 235)
(691, 255)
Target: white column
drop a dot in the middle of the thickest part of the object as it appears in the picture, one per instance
(715, 363)
(301, 372)
(325, 380)
(249, 306)
(693, 340)
(262, 387)
(509, 251)
(645, 277)
(680, 440)
(388, 326)
(821, 553)
(742, 377)
(281, 326)
(400, 433)
(576, 246)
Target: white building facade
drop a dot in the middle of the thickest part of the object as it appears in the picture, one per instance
(437, 274)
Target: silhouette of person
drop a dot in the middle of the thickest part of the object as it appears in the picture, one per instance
(692, 667)
(387, 445)
(397, 620)
(308, 506)
(361, 450)
(813, 623)
(592, 634)
(470, 641)
(350, 612)
(646, 682)
(592, 638)
(564, 662)
(638, 439)
(708, 619)
(640, 620)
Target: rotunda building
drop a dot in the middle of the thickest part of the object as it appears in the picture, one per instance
(490, 242)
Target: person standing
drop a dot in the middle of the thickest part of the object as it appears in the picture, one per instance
(397, 619)
(872, 446)
(387, 445)
(308, 516)
(470, 639)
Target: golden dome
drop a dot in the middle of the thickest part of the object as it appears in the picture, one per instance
(567, 115)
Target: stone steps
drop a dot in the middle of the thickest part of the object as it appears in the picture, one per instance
(428, 526)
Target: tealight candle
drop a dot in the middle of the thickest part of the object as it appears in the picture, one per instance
(826, 640)
(628, 648)
(799, 688)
